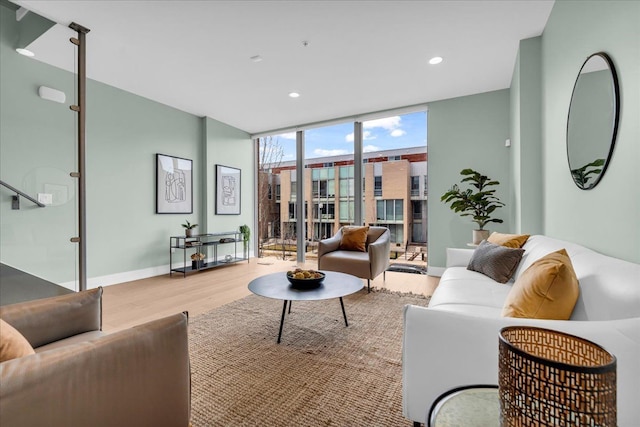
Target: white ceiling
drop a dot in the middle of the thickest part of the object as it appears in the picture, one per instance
(362, 56)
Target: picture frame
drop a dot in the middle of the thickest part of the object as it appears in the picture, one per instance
(228, 190)
(174, 185)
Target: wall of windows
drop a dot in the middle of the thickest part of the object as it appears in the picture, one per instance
(393, 171)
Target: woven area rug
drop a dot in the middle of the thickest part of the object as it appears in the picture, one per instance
(321, 374)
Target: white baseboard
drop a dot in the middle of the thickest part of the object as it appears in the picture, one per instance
(126, 276)
(435, 271)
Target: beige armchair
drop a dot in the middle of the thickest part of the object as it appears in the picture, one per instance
(366, 265)
(80, 376)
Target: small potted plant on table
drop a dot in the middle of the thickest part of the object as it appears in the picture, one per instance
(188, 227)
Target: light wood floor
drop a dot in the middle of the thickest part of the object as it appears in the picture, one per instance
(131, 303)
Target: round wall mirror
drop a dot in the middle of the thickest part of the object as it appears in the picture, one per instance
(593, 120)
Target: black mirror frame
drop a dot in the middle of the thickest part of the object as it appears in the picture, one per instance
(614, 134)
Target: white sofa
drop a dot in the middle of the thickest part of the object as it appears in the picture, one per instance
(454, 341)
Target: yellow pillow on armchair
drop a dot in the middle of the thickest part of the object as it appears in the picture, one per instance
(354, 239)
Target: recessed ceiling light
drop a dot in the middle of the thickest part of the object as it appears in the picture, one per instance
(25, 52)
(294, 95)
(435, 60)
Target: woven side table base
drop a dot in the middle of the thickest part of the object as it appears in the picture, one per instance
(549, 378)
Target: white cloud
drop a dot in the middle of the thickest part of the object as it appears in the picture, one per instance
(397, 132)
(365, 135)
(370, 148)
(290, 135)
(322, 152)
(388, 123)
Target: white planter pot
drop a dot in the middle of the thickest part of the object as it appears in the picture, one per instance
(479, 236)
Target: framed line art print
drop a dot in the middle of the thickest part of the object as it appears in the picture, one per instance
(174, 185)
(228, 190)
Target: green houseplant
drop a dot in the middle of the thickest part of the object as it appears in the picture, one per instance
(478, 202)
(188, 227)
(246, 235)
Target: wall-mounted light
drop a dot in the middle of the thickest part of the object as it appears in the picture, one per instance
(25, 52)
(52, 94)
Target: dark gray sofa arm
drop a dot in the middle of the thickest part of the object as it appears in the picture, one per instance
(51, 319)
(136, 377)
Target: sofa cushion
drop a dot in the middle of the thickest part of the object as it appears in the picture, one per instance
(12, 343)
(508, 240)
(351, 262)
(354, 239)
(496, 261)
(548, 289)
(459, 286)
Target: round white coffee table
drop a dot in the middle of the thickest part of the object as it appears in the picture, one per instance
(334, 285)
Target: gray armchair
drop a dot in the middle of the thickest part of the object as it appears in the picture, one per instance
(80, 376)
(366, 265)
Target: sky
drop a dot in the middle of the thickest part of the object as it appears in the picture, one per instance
(408, 130)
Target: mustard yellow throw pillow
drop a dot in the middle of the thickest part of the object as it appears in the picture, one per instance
(354, 239)
(548, 289)
(12, 343)
(508, 240)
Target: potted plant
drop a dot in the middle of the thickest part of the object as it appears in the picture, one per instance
(246, 235)
(478, 203)
(188, 227)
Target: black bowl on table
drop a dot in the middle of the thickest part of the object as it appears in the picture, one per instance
(308, 283)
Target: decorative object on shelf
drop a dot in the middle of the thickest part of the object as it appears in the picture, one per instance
(305, 279)
(478, 204)
(197, 260)
(227, 190)
(592, 122)
(246, 235)
(228, 258)
(174, 185)
(188, 227)
(554, 379)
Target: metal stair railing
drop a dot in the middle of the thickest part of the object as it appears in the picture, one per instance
(16, 201)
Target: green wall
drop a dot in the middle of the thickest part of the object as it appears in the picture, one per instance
(536, 183)
(526, 140)
(126, 239)
(606, 218)
(228, 146)
(124, 133)
(466, 132)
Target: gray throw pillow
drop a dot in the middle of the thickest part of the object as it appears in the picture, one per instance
(495, 261)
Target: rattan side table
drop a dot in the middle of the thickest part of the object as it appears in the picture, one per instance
(550, 378)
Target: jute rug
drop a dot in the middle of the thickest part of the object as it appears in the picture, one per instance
(321, 374)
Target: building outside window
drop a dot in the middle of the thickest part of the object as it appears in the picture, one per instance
(329, 181)
(377, 186)
(415, 186)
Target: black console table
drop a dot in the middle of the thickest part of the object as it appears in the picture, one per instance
(207, 244)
